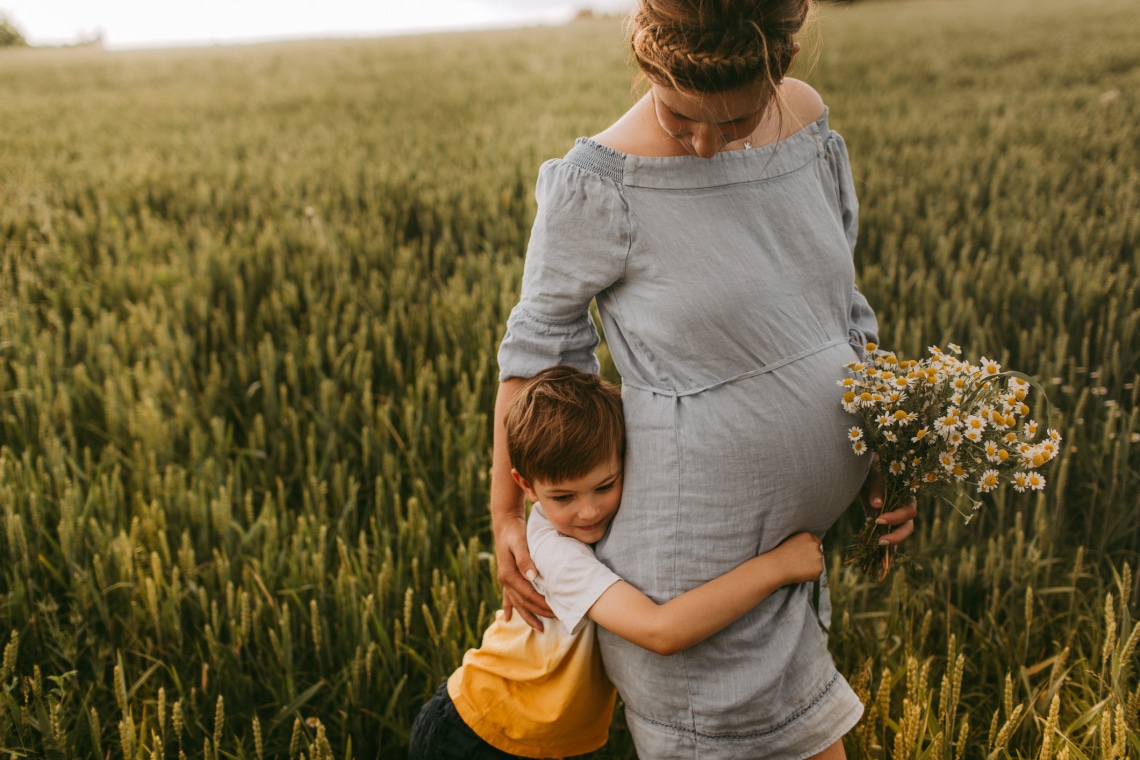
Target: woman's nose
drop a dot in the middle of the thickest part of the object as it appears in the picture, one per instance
(707, 142)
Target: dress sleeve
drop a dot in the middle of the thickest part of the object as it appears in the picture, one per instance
(578, 248)
(862, 327)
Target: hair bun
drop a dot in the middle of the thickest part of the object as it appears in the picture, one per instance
(715, 45)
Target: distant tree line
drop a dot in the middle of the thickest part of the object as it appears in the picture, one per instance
(10, 36)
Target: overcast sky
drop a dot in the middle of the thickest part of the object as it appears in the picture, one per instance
(154, 23)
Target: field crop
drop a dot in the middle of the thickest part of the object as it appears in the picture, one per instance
(249, 304)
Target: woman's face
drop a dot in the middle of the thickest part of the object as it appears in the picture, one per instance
(705, 124)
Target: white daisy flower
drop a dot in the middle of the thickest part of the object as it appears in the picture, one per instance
(989, 480)
(1020, 482)
(943, 425)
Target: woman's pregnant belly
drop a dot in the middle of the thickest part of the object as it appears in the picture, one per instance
(711, 480)
(715, 478)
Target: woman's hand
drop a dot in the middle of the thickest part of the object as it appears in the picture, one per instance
(515, 567)
(508, 523)
(899, 522)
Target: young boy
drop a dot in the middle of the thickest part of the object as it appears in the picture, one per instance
(533, 694)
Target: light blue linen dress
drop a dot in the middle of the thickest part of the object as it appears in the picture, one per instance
(726, 290)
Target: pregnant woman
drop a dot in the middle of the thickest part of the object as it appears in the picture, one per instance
(714, 225)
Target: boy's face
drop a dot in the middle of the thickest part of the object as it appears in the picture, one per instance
(580, 508)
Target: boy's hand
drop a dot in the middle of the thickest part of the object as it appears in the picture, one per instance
(514, 562)
(800, 558)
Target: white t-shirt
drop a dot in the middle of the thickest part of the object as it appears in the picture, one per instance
(569, 575)
(543, 694)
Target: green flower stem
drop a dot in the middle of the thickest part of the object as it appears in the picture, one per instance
(866, 553)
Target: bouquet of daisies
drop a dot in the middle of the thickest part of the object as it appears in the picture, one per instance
(941, 426)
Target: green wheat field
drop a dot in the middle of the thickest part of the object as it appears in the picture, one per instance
(250, 299)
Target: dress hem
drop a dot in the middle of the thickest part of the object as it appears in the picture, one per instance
(774, 741)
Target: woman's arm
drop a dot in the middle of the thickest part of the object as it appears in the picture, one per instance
(508, 523)
(697, 614)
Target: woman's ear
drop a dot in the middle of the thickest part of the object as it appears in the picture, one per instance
(785, 65)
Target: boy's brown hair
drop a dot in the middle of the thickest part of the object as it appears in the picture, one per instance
(563, 423)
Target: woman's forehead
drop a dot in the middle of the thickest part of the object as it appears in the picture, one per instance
(713, 107)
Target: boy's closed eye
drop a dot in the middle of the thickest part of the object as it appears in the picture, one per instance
(566, 497)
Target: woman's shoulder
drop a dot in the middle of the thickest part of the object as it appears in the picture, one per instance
(801, 99)
(633, 135)
(799, 105)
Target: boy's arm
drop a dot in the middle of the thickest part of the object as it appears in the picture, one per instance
(697, 614)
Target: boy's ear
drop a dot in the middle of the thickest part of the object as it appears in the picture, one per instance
(524, 484)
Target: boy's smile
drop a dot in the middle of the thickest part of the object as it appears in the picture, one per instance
(581, 507)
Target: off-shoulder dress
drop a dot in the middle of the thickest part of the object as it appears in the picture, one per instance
(726, 290)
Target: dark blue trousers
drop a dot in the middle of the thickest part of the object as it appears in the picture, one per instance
(440, 734)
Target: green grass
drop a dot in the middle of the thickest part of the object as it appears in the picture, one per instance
(249, 305)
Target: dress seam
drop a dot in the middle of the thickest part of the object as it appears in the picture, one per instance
(767, 368)
(610, 164)
(814, 159)
(551, 322)
(676, 548)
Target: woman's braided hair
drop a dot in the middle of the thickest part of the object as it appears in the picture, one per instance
(715, 45)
